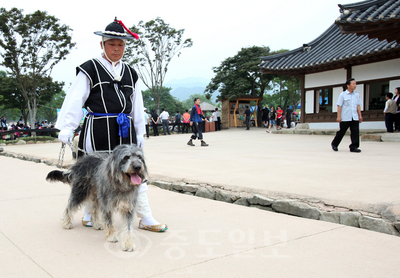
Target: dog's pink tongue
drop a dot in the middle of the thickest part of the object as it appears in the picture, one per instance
(135, 179)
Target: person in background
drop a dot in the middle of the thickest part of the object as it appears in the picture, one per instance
(397, 99)
(390, 112)
(294, 118)
(154, 122)
(177, 122)
(20, 122)
(349, 115)
(247, 117)
(265, 116)
(217, 119)
(3, 123)
(164, 116)
(279, 114)
(186, 121)
(272, 119)
(288, 115)
(196, 119)
(147, 122)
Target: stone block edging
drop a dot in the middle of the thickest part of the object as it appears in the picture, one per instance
(295, 207)
(47, 161)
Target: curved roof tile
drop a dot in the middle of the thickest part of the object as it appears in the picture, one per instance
(330, 47)
(370, 10)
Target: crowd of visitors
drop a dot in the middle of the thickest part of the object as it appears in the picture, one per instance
(180, 123)
(278, 118)
(22, 128)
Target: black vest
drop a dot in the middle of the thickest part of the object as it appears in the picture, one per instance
(107, 96)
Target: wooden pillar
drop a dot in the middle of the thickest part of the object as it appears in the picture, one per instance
(348, 72)
(303, 99)
(234, 112)
(255, 114)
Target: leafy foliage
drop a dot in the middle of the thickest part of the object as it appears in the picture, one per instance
(32, 45)
(287, 91)
(152, 53)
(12, 97)
(167, 101)
(240, 76)
(48, 110)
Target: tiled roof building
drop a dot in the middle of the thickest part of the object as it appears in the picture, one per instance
(375, 18)
(330, 50)
(351, 47)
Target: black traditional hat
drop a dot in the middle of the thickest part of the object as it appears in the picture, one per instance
(115, 30)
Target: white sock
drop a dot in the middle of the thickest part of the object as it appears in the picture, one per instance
(149, 220)
(86, 216)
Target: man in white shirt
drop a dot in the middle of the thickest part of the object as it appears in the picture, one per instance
(349, 115)
(147, 122)
(109, 90)
(217, 119)
(390, 112)
(164, 116)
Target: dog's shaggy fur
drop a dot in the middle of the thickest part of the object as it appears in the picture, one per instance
(111, 183)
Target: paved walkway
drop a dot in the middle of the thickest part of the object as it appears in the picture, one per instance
(210, 238)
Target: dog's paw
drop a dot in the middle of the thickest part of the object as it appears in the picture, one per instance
(98, 226)
(128, 247)
(67, 224)
(112, 238)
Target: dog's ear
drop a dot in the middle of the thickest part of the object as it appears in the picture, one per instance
(116, 173)
(145, 173)
(111, 168)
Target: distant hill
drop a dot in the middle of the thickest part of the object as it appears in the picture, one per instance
(183, 88)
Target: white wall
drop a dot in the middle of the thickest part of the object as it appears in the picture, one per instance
(393, 84)
(360, 91)
(377, 70)
(309, 102)
(325, 78)
(336, 91)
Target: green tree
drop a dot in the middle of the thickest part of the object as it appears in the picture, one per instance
(240, 75)
(13, 98)
(286, 92)
(48, 110)
(32, 45)
(6, 110)
(167, 101)
(152, 53)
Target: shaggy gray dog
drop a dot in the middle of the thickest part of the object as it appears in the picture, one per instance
(111, 183)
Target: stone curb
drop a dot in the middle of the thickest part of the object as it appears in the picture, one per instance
(388, 222)
(365, 134)
(47, 161)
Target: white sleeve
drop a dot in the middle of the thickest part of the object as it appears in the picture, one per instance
(138, 111)
(340, 100)
(71, 111)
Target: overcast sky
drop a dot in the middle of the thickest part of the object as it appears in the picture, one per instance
(219, 29)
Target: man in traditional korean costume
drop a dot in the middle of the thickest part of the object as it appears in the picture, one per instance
(109, 90)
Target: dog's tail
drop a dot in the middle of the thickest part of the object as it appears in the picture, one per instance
(56, 175)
